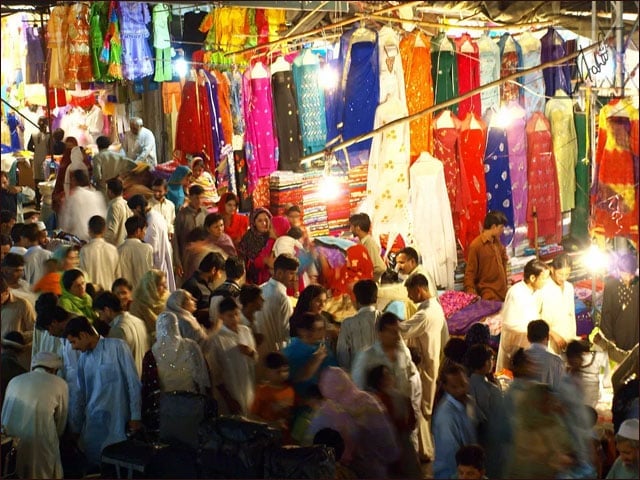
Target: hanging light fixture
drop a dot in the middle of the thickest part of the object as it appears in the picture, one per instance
(328, 188)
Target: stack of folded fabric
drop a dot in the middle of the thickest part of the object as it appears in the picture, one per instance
(315, 210)
(285, 189)
(357, 186)
(338, 208)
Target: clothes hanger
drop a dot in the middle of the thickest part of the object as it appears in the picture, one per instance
(280, 65)
(445, 120)
(474, 124)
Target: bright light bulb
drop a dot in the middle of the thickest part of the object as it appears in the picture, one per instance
(595, 259)
(328, 77)
(328, 188)
(181, 67)
(503, 118)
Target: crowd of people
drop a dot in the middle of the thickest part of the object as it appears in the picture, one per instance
(178, 296)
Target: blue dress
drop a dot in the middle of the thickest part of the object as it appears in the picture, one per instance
(311, 105)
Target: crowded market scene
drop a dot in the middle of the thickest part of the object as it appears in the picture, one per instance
(320, 239)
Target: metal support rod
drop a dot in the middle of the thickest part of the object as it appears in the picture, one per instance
(18, 112)
(619, 29)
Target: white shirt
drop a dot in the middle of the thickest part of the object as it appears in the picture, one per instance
(167, 209)
(141, 147)
(117, 214)
(232, 368)
(133, 331)
(34, 263)
(78, 208)
(356, 334)
(99, 260)
(136, 259)
(158, 237)
(273, 320)
(559, 308)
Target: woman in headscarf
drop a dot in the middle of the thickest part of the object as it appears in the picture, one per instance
(150, 297)
(178, 182)
(174, 363)
(58, 189)
(205, 180)
(182, 304)
(255, 246)
(311, 300)
(74, 296)
(370, 441)
(77, 157)
(235, 224)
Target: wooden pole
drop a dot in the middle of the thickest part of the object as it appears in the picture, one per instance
(452, 101)
(298, 36)
(535, 232)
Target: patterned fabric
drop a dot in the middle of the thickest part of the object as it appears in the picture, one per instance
(57, 35)
(557, 77)
(311, 102)
(444, 70)
(453, 301)
(136, 52)
(533, 83)
(489, 54)
(510, 55)
(517, 141)
(286, 115)
(193, 129)
(390, 62)
(468, 57)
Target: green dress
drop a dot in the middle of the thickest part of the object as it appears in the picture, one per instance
(580, 214)
(444, 70)
(98, 21)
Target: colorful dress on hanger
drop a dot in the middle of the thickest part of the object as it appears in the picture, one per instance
(286, 117)
(57, 34)
(497, 176)
(193, 127)
(557, 77)
(415, 50)
(361, 88)
(388, 174)
(517, 141)
(390, 62)
(473, 141)
(559, 111)
(510, 62)
(137, 59)
(543, 193)
(580, 214)
(79, 66)
(112, 47)
(468, 57)
(35, 63)
(98, 22)
(444, 70)
(432, 224)
(313, 127)
(615, 201)
(489, 54)
(533, 83)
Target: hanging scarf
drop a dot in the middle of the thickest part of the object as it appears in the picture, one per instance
(253, 241)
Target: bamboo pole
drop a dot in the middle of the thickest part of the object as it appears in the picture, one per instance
(452, 101)
(298, 36)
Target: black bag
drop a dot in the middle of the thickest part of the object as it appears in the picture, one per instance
(234, 447)
(181, 414)
(291, 461)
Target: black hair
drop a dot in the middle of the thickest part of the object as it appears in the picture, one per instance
(561, 261)
(455, 349)
(477, 356)
(576, 348)
(275, 360)
(411, 253)
(285, 262)
(137, 201)
(103, 142)
(361, 220)
(121, 282)
(295, 233)
(48, 311)
(228, 304)
(159, 182)
(534, 267)
(197, 235)
(234, 268)
(196, 190)
(114, 185)
(58, 134)
(494, 217)
(450, 369)
(387, 318)
(81, 177)
(366, 292)
(31, 232)
(477, 333)
(471, 455)
(210, 261)
(134, 223)
(306, 321)
(5, 239)
(4, 286)
(78, 325)
(374, 377)
(70, 276)
(97, 225)
(303, 305)
(332, 439)
(6, 216)
(537, 331)
(293, 208)
(211, 219)
(417, 280)
(107, 300)
(518, 360)
(13, 260)
(249, 293)
(16, 232)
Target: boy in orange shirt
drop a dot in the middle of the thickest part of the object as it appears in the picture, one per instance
(273, 400)
(50, 281)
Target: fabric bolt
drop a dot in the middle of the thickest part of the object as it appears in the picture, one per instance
(557, 77)
(361, 89)
(286, 120)
(496, 174)
(194, 122)
(468, 57)
(580, 214)
(517, 141)
(444, 70)
(388, 178)
(615, 199)
(489, 55)
(559, 111)
(79, 66)
(35, 62)
(473, 139)
(136, 52)
(510, 63)
(543, 193)
(432, 221)
(415, 51)
(57, 35)
(532, 83)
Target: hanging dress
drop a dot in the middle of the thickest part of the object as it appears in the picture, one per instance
(390, 63)
(57, 38)
(468, 57)
(444, 70)
(415, 50)
(286, 117)
(543, 193)
(510, 56)
(473, 141)
(311, 102)
(193, 127)
(517, 141)
(79, 66)
(580, 214)
(496, 175)
(137, 58)
(98, 22)
(35, 63)
(557, 77)
(533, 83)
(489, 54)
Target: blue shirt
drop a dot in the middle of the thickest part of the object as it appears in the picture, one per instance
(299, 353)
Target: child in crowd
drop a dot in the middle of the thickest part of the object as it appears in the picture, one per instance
(587, 363)
(274, 398)
(50, 281)
(304, 413)
(470, 462)
(627, 444)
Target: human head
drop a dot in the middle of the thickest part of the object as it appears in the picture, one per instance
(31, 232)
(251, 297)
(379, 379)
(79, 178)
(197, 166)
(135, 123)
(159, 187)
(135, 226)
(454, 381)
(294, 215)
(181, 299)
(521, 364)
(153, 279)
(114, 187)
(295, 233)
(280, 225)
(4, 290)
(71, 142)
(123, 289)
(58, 134)
(7, 220)
(277, 367)
(311, 328)
(138, 204)
(312, 299)
(627, 266)
(480, 359)
(332, 439)
(627, 442)
(261, 220)
(477, 333)
(574, 353)
(214, 223)
(74, 282)
(17, 234)
(366, 292)
(228, 203)
(5, 245)
(196, 196)
(229, 312)
(455, 349)
(198, 234)
(470, 462)
(494, 223)
(97, 226)
(68, 257)
(103, 142)
(212, 265)
(417, 287)
(107, 305)
(80, 334)
(536, 274)
(360, 224)
(538, 332)
(49, 316)
(5, 179)
(234, 268)
(12, 268)
(388, 330)
(560, 269)
(407, 260)
(49, 361)
(285, 270)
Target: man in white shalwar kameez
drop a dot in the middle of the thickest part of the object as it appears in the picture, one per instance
(135, 258)
(82, 203)
(157, 236)
(98, 258)
(110, 390)
(35, 410)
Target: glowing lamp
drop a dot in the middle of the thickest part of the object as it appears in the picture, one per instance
(181, 67)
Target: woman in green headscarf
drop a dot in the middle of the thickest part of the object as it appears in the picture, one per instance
(179, 180)
(74, 296)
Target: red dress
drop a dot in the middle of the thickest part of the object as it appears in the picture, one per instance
(237, 227)
(544, 193)
(468, 74)
(193, 129)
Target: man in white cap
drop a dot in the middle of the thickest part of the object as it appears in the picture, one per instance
(35, 410)
(627, 444)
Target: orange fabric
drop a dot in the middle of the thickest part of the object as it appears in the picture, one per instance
(224, 102)
(79, 68)
(416, 61)
(273, 403)
(49, 283)
(171, 91)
